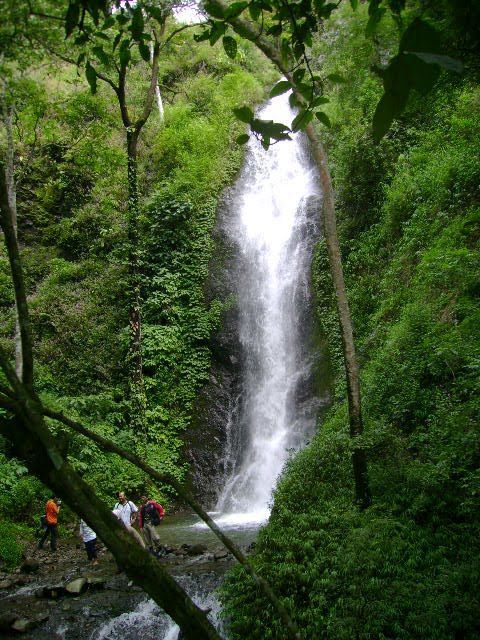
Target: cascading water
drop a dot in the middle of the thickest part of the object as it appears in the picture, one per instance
(273, 230)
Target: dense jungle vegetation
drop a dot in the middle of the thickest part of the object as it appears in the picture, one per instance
(71, 194)
(408, 210)
(409, 219)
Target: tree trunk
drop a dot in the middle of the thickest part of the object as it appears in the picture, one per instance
(33, 443)
(137, 388)
(362, 493)
(12, 201)
(359, 462)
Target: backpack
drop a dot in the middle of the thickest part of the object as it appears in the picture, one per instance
(43, 521)
(150, 514)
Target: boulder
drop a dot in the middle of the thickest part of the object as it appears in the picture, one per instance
(6, 621)
(30, 565)
(221, 555)
(21, 625)
(6, 584)
(196, 550)
(77, 586)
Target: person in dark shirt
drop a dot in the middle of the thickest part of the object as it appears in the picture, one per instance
(150, 516)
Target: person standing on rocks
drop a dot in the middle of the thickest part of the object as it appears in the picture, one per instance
(150, 515)
(131, 530)
(52, 509)
(89, 538)
(127, 510)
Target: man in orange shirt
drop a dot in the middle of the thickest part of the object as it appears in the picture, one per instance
(51, 519)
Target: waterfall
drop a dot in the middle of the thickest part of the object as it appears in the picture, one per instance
(272, 227)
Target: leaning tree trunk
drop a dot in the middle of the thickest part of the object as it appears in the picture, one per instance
(33, 444)
(137, 387)
(12, 200)
(362, 493)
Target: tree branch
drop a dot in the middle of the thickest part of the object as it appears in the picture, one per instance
(108, 445)
(151, 92)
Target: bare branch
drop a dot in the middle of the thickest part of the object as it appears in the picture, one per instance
(179, 30)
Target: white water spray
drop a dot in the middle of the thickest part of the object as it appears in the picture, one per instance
(274, 233)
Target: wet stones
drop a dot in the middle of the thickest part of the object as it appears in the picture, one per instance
(30, 565)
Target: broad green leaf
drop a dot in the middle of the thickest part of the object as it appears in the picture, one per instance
(281, 87)
(91, 77)
(244, 114)
(323, 118)
(217, 31)
(374, 21)
(235, 9)
(389, 107)
(301, 120)
(71, 17)
(230, 46)
(243, 138)
(298, 75)
(200, 37)
(137, 25)
(254, 11)
(213, 10)
(144, 51)
(354, 4)
(118, 37)
(109, 22)
(100, 54)
(125, 54)
(420, 36)
(319, 101)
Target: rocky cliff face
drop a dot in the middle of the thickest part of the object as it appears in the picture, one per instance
(206, 441)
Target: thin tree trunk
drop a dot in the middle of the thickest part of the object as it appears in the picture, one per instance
(12, 200)
(362, 493)
(135, 355)
(158, 95)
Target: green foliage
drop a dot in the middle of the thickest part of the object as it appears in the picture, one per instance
(12, 541)
(408, 208)
(72, 198)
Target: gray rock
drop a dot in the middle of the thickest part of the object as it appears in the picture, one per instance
(77, 586)
(30, 565)
(196, 550)
(6, 584)
(221, 555)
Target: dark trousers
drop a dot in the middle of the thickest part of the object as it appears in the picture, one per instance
(50, 530)
(91, 549)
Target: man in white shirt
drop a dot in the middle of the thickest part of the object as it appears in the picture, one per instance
(127, 511)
